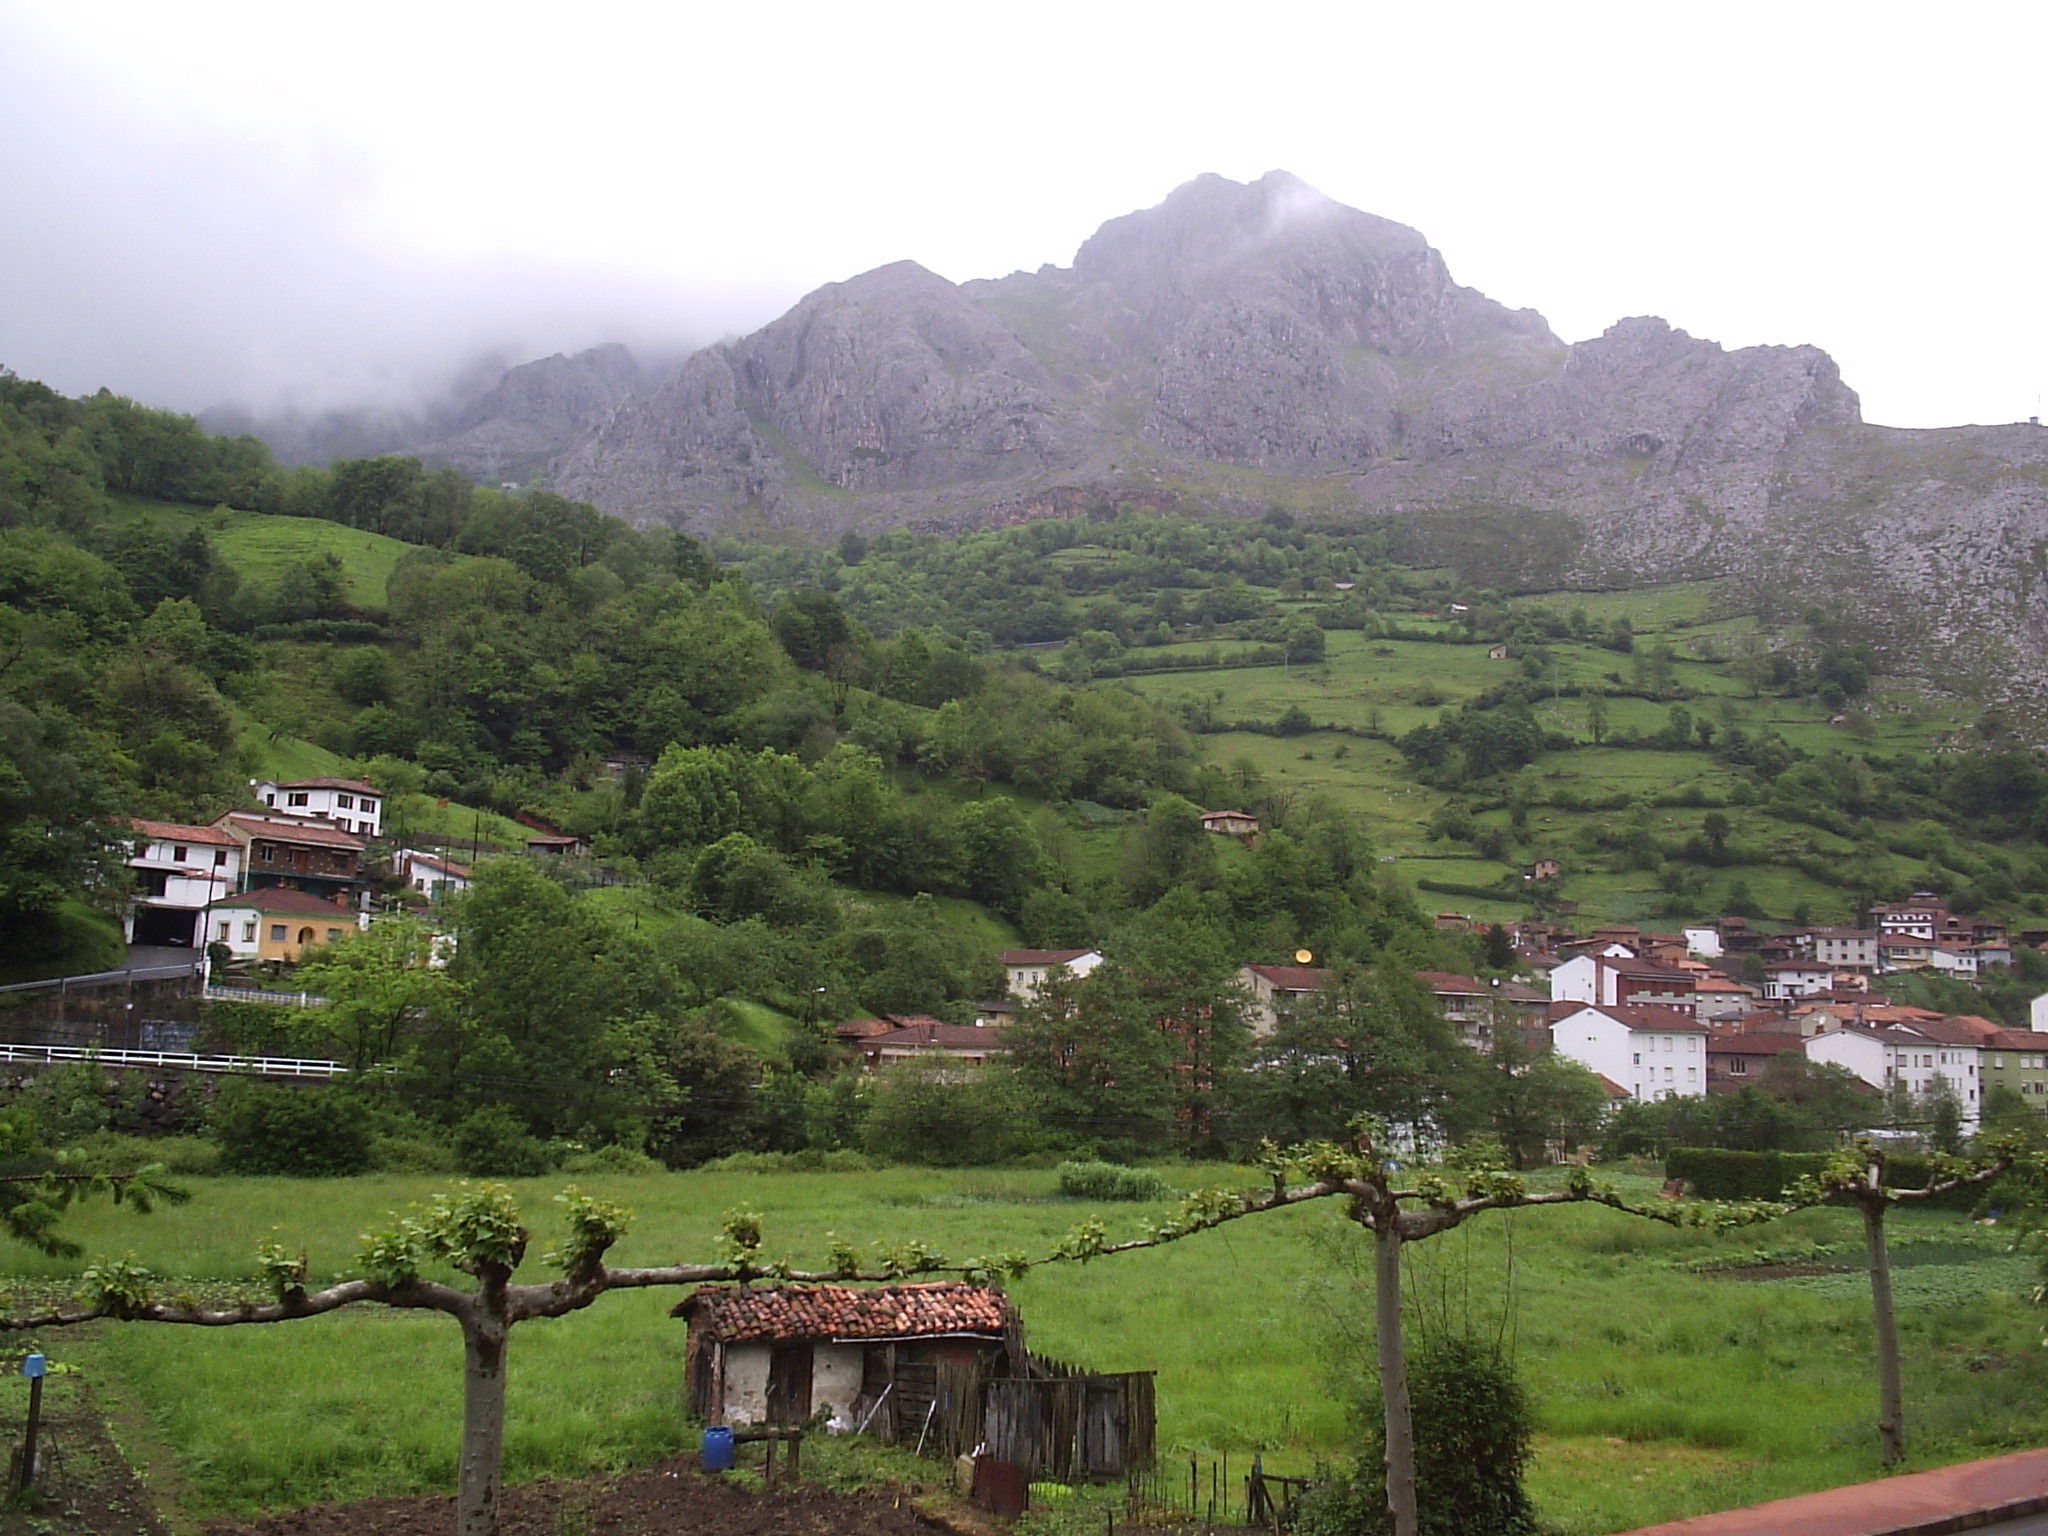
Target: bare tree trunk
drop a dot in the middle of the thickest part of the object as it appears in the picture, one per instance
(1891, 1395)
(483, 1423)
(1393, 1363)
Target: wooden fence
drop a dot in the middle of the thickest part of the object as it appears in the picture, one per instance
(1063, 1425)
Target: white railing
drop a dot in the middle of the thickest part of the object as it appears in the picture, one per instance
(216, 992)
(183, 1061)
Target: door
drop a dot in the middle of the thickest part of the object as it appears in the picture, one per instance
(789, 1383)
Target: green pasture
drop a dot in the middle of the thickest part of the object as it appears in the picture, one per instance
(1649, 610)
(1649, 1378)
(260, 545)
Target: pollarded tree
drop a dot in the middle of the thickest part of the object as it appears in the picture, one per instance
(478, 1232)
(1855, 1175)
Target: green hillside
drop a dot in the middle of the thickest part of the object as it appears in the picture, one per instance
(260, 546)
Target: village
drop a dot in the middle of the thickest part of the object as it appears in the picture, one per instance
(1656, 1016)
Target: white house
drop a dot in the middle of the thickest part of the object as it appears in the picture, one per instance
(1797, 978)
(429, 873)
(2037, 1014)
(1030, 969)
(1896, 1054)
(1957, 960)
(1654, 1053)
(1704, 942)
(1612, 981)
(177, 870)
(349, 804)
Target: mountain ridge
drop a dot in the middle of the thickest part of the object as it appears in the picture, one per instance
(1242, 345)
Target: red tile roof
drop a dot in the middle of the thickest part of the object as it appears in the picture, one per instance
(290, 831)
(860, 1029)
(945, 1037)
(1444, 982)
(1959, 1031)
(1292, 978)
(740, 1314)
(355, 784)
(279, 899)
(2018, 1040)
(178, 832)
(1643, 1017)
(1043, 956)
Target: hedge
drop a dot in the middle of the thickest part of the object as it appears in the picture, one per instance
(1717, 1173)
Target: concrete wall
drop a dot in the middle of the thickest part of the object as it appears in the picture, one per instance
(746, 1383)
(835, 1381)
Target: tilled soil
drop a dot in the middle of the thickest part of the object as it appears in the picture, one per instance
(671, 1498)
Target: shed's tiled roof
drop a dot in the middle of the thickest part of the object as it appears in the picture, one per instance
(738, 1314)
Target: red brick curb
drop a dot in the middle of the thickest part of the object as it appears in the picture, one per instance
(1958, 1498)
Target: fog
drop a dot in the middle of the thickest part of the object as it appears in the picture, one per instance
(290, 206)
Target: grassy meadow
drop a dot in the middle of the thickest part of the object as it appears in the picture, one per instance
(259, 545)
(1661, 1391)
(1384, 688)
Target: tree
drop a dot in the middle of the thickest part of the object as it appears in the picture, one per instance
(1856, 1175)
(36, 1191)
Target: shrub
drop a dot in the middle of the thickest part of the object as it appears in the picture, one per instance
(493, 1142)
(301, 1132)
(811, 1160)
(110, 1152)
(1107, 1181)
(920, 1115)
(411, 1152)
(69, 1101)
(1716, 1173)
(1473, 1428)
(612, 1160)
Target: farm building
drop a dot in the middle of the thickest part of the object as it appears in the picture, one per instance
(779, 1353)
(940, 1366)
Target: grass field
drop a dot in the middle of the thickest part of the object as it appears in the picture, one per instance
(1661, 1392)
(1367, 684)
(260, 545)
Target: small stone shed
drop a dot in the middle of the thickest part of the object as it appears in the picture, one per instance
(778, 1354)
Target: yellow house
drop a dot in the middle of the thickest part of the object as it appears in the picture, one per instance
(275, 923)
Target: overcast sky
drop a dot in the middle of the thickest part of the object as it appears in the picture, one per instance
(206, 201)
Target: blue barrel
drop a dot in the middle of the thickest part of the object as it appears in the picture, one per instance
(717, 1455)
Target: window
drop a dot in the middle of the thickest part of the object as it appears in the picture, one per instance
(248, 933)
(1639, 1058)
(220, 930)
(1739, 1067)
(1692, 1074)
(178, 853)
(277, 933)
(345, 802)
(296, 797)
(333, 934)
(220, 857)
(1667, 1074)
(368, 805)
